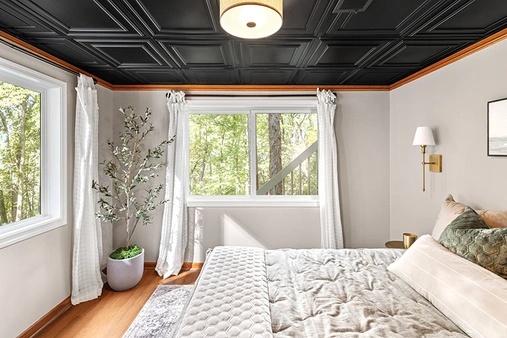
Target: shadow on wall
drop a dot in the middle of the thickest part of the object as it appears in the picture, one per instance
(269, 228)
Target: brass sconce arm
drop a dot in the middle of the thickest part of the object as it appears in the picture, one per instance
(435, 165)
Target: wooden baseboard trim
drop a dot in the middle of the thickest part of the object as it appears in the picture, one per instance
(186, 265)
(56, 312)
(191, 265)
(61, 308)
(150, 265)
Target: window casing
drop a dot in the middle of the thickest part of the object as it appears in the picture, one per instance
(53, 177)
(255, 190)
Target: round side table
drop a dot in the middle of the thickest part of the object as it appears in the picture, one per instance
(394, 245)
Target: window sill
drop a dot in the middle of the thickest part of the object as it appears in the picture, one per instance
(16, 232)
(252, 202)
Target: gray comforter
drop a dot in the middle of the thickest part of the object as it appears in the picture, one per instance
(347, 293)
(250, 292)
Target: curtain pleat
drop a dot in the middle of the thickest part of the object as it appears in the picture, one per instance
(87, 237)
(174, 236)
(329, 196)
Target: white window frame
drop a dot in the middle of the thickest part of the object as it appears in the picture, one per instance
(249, 106)
(53, 181)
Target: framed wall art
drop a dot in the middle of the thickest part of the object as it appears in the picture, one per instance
(497, 128)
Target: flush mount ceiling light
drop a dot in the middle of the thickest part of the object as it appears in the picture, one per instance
(251, 19)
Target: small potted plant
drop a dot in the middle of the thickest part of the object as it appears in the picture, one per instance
(130, 198)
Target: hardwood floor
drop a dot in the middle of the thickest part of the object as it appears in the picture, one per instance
(112, 313)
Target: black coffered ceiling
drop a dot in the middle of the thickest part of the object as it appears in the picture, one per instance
(335, 42)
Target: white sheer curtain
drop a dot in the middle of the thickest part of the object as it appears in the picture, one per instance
(87, 240)
(329, 197)
(174, 237)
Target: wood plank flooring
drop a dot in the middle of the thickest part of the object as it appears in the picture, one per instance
(112, 313)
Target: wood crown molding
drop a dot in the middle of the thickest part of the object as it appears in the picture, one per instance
(38, 53)
(491, 40)
(251, 88)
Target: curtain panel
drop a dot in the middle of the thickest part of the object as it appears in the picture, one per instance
(87, 252)
(329, 196)
(175, 232)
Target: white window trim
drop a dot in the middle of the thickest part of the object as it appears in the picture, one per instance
(246, 105)
(53, 153)
(252, 201)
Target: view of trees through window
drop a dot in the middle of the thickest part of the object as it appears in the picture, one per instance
(20, 143)
(285, 146)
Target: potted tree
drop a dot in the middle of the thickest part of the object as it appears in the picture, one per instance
(130, 198)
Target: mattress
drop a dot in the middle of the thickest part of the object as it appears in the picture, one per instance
(230, 298)
(251, 292)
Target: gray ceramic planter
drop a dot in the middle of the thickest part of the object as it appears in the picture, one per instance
(124, 274)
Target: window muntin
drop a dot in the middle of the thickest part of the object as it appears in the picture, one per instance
(51, 212)
(19, 153)
(242, 158)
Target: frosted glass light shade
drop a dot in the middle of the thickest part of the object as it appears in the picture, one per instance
(423, 137)
(251, 19)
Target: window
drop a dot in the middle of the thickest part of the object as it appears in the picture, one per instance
(19, 153)
(255, 152)
(32, 153)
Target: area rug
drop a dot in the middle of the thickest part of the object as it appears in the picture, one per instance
(160, 313)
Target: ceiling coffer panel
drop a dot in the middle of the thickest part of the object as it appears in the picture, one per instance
(178, 17)
(321, 42)
(128, 54)
(200, 53)
(268, 76)
(212, 76)
(273, 54)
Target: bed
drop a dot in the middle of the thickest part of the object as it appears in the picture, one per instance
(429, 290)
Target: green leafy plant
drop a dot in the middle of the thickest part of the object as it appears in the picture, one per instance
(126, 252)
(131, 198)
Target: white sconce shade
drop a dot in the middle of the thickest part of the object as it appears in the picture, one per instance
(251, 19)
(423, 137)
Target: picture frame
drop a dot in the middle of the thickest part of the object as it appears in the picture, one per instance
(497, 128)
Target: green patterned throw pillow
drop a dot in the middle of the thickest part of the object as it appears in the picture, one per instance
(470, 237)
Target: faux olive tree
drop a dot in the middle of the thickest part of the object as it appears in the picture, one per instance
(131, 198)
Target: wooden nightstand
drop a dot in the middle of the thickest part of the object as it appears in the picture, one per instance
(394, 245)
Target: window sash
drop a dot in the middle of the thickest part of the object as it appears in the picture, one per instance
(53, 180)
(252, 107)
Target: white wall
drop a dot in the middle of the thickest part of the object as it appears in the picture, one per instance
(106, 110)
(362, 131)
(36, 272)
(452, 101)
(362, 128)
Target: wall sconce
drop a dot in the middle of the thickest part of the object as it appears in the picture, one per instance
(424, 137)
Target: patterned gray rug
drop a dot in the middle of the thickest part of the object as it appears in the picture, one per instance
(160, 313)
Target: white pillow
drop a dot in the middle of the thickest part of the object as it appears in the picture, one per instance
(448, 212)
(474, 298)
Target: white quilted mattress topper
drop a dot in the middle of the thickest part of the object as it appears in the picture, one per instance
(231, 298)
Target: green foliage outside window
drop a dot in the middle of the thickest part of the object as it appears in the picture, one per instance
(20, 144)
(219, 163)
(220, 153)
(297, 133)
